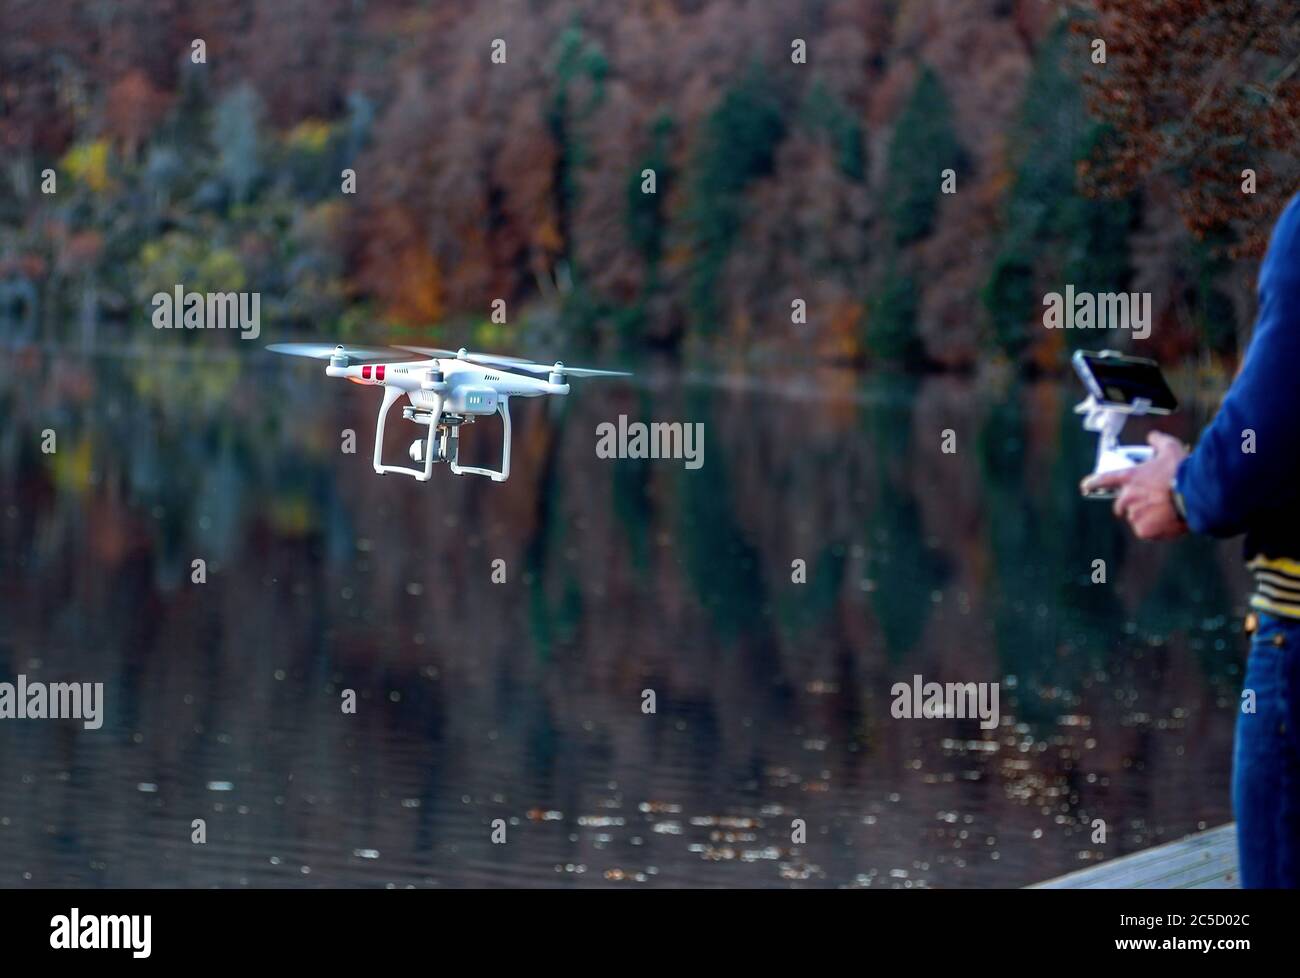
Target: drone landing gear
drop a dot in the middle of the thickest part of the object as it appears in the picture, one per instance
(442, 443)
(391, 394)
(497, 475)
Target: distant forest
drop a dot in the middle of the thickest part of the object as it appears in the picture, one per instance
(795, 149)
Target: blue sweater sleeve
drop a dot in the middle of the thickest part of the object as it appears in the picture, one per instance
(1223, 484)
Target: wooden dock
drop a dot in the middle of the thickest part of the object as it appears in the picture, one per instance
(1204, 861)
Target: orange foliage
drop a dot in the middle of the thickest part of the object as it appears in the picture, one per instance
(398, 270)
(133, 108)
(1207, 88)
(841, 339)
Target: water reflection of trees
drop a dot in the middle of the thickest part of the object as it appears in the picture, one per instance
(621, 576)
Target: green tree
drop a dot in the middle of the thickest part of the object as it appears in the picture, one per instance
(576, 59)
(825, 112)
(891, 318)
(738, 146)
(924, 145)
(645, 212)
(1051, 229)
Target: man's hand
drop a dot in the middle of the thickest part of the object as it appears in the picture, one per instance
(1145, 491)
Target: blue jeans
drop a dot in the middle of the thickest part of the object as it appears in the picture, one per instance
(1266, 759)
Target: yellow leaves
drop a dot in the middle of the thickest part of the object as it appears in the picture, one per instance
(223, 269)
(321, 223)
(292, 516)
(487, 335)
(87, 164)
(547, 237)
(207, 387)
(71, 469)
(308, 136)
(182, 259)
(678, 256)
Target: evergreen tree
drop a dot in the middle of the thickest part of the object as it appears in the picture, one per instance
(1052, 231)
(924, 145)
(738, 146)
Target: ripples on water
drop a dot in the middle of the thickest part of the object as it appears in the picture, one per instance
(522, 701)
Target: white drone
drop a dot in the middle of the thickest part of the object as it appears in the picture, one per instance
(449, 390)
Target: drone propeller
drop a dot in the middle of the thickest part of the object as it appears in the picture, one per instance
(326, 351)
(464, 354)
(558, 368)
(514, 363)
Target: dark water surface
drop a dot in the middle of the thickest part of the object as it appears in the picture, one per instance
(522, 700)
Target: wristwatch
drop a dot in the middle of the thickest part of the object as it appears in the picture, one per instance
(1180, 507)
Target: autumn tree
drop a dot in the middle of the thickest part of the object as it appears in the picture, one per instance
(1203, 90)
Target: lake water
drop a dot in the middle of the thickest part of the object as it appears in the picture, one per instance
(522, 700)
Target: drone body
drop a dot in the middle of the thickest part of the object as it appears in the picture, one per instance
(446, 391)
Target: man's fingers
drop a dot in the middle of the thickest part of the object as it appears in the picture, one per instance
(1151, 522)
(1125, 500)
(1160, 441)
(1120, 507)
(1140, 520)
(1107, 480)
(1147, 530)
